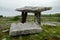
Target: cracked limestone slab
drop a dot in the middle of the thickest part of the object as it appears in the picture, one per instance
(26, 28)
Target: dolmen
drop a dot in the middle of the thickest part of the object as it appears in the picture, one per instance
(23, 27)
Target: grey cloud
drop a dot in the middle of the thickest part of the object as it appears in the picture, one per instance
(7, 7)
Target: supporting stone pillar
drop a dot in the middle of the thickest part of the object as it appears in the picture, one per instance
(37, 17)
(24, 15)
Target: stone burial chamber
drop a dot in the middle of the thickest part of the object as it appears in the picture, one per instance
(29, 27)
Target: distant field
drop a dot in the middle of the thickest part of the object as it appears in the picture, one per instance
(52, 19)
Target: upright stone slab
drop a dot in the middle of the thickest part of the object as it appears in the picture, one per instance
(36, 10)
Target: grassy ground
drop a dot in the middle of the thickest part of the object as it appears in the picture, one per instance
(48, 33)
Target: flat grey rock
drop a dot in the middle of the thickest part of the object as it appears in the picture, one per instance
(4, 39)
(33, 9)
(26, 28)
(5, 30)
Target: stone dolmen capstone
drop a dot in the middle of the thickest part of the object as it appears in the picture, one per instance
(28, 28)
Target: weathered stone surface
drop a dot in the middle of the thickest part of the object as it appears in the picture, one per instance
(5, 30)
(4, 39)
(33, 9)
(26, 28)
(50, 24)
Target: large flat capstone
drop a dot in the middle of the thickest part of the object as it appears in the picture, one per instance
(26, 28)
(33, 9)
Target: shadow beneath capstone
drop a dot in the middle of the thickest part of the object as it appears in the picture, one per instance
(23, 35)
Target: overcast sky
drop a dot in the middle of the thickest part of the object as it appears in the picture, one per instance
(7, 7)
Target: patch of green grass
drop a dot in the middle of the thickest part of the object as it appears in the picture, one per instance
(48, 33)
